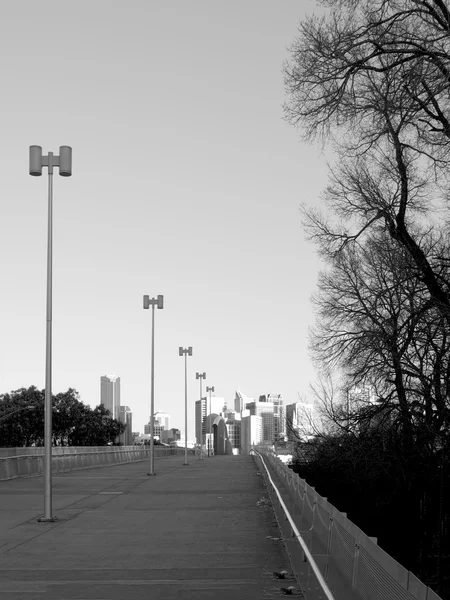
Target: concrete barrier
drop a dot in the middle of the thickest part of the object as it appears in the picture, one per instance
(74, 457)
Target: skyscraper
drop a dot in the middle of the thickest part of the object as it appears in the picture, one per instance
(251, 432)
(264, 409)
(126, 417)
(202, 409)
(279, 415)
(110, 394)
(200, 414)
(163, 419)
(299, 420)
(240, 401)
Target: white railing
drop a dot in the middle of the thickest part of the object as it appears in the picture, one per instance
(350, 554)
(69, 458)
(306, 551)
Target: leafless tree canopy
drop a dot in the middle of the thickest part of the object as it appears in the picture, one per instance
(378, 326)
(372, 78)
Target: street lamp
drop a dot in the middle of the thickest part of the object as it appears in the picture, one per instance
(201, 376)
(64, 162)
(209, 389)
(187, 352)
(159, 302)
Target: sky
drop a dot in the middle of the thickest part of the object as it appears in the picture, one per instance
(186, 182)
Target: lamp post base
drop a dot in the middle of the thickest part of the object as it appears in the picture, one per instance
(47, 519)
(186, 465)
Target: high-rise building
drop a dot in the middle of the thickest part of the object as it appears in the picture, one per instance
(279, 415)
(240, 401)
(299, 421)
(265, 410)
(251, 432)
(110, 394)
(126, 416)
(218, 405)
(200, 414)
(233, 425)
(163, 419)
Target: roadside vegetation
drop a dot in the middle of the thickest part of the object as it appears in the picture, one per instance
(74, 423)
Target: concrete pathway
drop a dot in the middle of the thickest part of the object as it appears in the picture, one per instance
(200, 531)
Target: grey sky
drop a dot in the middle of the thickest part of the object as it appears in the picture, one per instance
(186, 182)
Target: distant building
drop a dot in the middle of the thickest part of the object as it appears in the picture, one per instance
(299, 421)
(200, 414)
(163, 419)
(126, 416)
(279, 414)
(234, 435)
(265, 410)
(232, 415)
(240, 401)
(373, 414)
(169, 436)
(157, 429)
(251, 431)
(218, 405)
(233, 424)
(181, 443)
(110, 394)
(361, 396)
(221, 441)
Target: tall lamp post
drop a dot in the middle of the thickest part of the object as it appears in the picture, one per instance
(159, 302)
(209, 389)
(64, 162)
(201, 376)
(187, 352)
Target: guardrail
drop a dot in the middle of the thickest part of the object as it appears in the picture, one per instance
(345, 551)
(27, 465)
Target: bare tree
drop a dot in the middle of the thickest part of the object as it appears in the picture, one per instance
(373, 78)
(377, 326)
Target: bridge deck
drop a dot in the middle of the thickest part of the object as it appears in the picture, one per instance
(198, 531)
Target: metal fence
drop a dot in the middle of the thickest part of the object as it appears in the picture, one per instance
(350, 553)
(69, 458)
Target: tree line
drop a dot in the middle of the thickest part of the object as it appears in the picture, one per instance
(73, 423)
(370, 79)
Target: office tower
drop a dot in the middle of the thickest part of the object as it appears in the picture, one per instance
(126, 417)
(299, 421)
(279, 415)
(264, 409)
(240, 401)
(251, 432)
(110, 394)
(233, 425)
(163, 419)
(218, 406)
(200, 414)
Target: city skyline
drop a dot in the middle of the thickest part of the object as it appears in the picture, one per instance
(186, 182)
